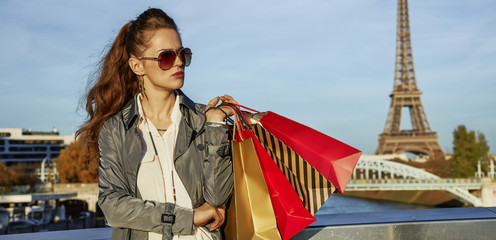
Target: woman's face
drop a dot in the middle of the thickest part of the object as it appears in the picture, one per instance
(154, 76)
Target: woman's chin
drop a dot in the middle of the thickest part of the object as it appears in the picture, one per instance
(179, 84)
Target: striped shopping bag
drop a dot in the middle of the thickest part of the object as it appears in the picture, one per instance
(314, 163)
(313, 188)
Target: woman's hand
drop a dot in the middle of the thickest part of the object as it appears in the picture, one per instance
(216, 115)
(205, 213)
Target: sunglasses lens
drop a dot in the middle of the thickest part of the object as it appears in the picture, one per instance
(185, 56)
(167, 59)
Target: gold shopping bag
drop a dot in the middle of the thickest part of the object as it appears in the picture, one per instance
(250, 214)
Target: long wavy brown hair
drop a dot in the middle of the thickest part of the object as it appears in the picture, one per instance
(116, 83)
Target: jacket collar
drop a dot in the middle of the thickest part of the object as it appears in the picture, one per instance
(193, 118)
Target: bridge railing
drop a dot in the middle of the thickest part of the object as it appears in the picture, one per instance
(413, 184)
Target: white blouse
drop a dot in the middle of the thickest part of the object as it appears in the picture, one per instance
(157, 180)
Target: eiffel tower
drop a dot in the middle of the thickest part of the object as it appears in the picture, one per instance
(420, 140)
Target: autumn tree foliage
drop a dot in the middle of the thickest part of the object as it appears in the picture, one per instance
(15, 174)
(469, 148)
(440, 166)
(7, 176)
(73, 165)
(437, 165)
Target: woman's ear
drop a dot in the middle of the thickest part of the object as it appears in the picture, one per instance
(137, 66)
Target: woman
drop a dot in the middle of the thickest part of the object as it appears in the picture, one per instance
(165, 168)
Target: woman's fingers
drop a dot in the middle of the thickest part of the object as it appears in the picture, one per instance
(213, 102)
(217, 221)
(219, 218)
(228, 99)
(224, 99)
(216, 115)
(222, 213)
(206, 213)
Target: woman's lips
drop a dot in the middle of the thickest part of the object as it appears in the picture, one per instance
(179, 74)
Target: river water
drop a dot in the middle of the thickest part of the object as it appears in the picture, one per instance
(343, 204)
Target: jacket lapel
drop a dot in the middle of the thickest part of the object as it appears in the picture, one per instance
(132, 142)
(191, 124)
(130, 112)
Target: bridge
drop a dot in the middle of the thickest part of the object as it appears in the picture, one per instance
(376, 174)
(370, 175)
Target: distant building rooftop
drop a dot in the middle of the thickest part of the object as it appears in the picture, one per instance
(31, 147)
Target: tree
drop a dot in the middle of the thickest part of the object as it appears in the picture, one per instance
(468, 149)
(6, 178)
(73, 164)
(483, 150)
(15, 174)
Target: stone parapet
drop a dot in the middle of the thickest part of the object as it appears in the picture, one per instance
(488, 192)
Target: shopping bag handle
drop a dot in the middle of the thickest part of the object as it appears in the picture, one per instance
(238, 116)
(237, 109)
(240, 123)
(241, 106)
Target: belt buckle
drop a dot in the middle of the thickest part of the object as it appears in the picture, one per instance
(168, 218)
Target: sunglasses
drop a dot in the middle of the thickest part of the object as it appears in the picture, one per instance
(167, 58)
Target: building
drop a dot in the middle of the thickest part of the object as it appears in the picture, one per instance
(29, 147)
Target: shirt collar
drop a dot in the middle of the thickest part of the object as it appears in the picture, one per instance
(176, 111)
(194, 117)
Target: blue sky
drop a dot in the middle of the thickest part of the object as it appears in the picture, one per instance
(326, 64)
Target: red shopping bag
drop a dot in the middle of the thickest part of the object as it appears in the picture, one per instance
(335, 160)
(291, 216)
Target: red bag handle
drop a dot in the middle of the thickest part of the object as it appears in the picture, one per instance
(237, 109)
(241, 106)
(241, 123)
(240, 119)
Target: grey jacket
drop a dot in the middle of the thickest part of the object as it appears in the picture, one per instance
(202, 159)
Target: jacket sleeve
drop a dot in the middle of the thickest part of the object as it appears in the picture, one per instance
(217, 171)
(123, 210)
